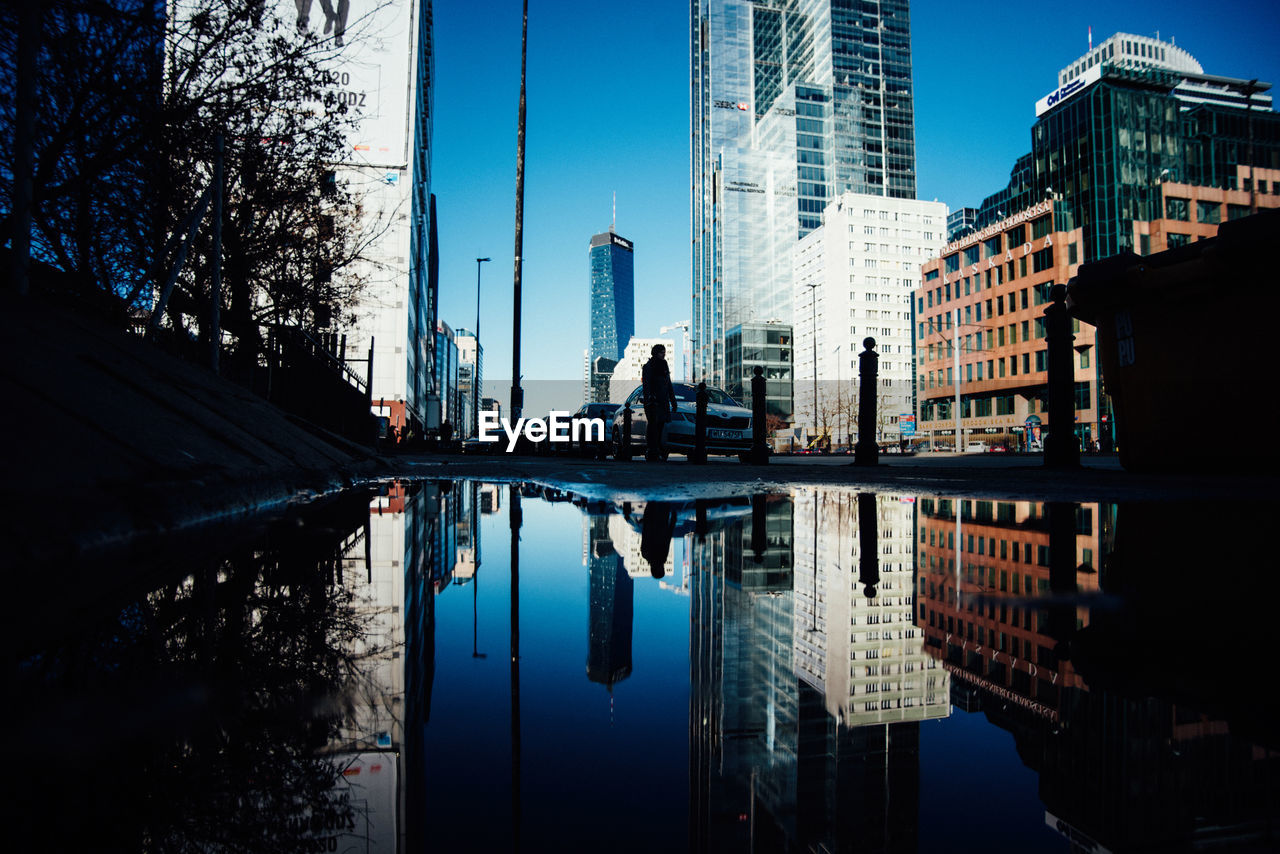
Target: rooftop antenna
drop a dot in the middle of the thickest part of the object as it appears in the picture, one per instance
(1091, 39)
(613, 226)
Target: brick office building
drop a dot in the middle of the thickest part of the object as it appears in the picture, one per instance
(980, 335)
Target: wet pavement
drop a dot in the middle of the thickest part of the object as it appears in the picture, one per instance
(438, 664)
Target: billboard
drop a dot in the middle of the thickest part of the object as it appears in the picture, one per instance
(368, 69)
(365, 51)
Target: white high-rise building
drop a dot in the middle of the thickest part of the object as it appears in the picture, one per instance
(854, 277)
(626, 376)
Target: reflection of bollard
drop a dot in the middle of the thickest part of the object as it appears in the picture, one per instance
(1060, 448)
(624, 442)
(759, 425)
(700, 428)
(869, 544)
(759, 537)
(700, 517)
(1062, 574)
(867, 452)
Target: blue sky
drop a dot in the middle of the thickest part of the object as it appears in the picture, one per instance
(608, 110)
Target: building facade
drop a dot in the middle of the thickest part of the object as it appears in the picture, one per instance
(793, 102)
(767, 346)
(392, 62)
(980, 335)
(1127, 117)
(470, 382)
(627, 373)
(446, 373)
(854, 278)
(613, 301)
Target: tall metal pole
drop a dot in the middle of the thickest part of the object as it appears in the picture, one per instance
(955, 360)
(475, 372)
(516, 519)
(839, 408)
(813, 292)
(517, 393)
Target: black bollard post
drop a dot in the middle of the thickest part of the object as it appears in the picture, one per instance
(868, 544)
(700, 428)
(867, 452)
(1061, 451)
(624, 441)
(759, 420)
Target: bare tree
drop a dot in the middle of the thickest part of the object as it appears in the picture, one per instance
(135, 96)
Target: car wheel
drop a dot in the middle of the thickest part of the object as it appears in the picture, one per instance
(744, 458)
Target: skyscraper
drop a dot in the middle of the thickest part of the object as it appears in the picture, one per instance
(613, 295)
(793, 103)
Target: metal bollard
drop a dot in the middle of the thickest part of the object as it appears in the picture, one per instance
(624, 444)
(867, 452)
(1061, 450)
(759, 420)
(699, 456)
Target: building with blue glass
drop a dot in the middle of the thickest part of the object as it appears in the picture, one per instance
(793, 103)
(1127, 120)
(613, 298)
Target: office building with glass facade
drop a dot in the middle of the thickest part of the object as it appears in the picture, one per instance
(768, 347)
(613, 301)
(793, 102)
(1126, 118)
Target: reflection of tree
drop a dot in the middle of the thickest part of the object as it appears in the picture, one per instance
(191, 718)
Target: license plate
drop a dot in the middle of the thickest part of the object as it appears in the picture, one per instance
(724, 434)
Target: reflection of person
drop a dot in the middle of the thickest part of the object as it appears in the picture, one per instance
(655, 377)
(657, 526)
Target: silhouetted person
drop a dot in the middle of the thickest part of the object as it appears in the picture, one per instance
(657, 526)
(655, 377)
(446, 432)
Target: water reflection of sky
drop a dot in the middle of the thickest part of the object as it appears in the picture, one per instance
(810, 670)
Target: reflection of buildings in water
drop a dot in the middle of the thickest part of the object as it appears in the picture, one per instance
(627, 542)
(490, 495)
(1000, 550)
(863, 653)
(769, 764)
(609, 620)
(420, 536)
(1118, 769)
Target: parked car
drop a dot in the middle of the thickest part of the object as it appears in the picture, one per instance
(590, 447)
(997, 449)
(728, 425)
(975, 447)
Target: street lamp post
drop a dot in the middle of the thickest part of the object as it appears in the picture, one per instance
(813, 293)
(839, 408)
(475, 371)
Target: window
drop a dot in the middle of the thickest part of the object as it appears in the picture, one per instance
(1209, 212)
(1042, 260)
(1237, 211)
(1084, 358)
(1173, 239)
(1176, 208)
(1072, 253)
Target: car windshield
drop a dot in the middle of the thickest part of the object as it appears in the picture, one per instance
(689, 394)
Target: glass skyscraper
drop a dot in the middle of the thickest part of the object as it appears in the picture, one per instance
(793, 103)
(613, 296)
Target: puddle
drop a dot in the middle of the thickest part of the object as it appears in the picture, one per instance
(447, 666)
